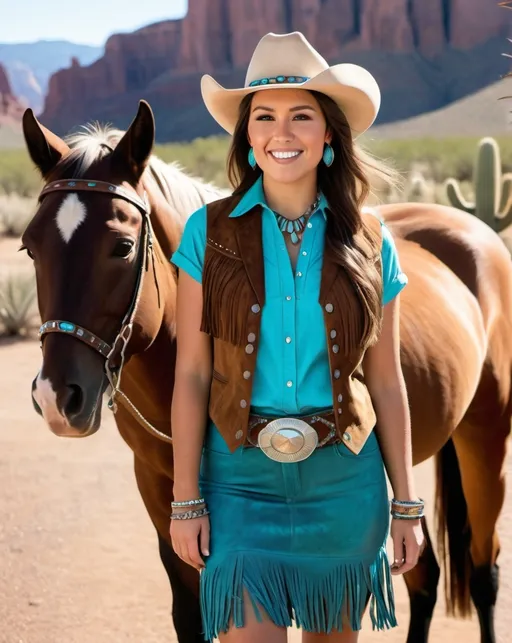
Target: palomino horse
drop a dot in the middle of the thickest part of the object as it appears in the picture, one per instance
(109, 218)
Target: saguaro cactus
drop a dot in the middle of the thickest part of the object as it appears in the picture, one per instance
(493, 191)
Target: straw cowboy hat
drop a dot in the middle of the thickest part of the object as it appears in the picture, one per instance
(289, 61)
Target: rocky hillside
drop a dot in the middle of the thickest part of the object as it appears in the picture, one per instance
(424, 54)
(11, 112)
(487, 112)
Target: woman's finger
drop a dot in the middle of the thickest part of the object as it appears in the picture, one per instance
(412, 553)
(193, 552)
(398, 554)
(204, 538)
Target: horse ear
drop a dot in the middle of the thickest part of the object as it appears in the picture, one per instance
(132, 153)
(45, 148)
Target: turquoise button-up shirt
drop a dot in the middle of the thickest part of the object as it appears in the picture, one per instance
(292, 374)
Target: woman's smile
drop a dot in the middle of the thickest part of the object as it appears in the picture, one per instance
(285, 157)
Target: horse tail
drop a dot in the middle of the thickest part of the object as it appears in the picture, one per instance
(453, 532)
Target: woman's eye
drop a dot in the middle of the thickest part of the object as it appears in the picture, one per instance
(302, 117)
(123, 248)
(264, 117)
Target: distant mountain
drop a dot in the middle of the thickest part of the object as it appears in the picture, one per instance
(30, 65)
(425, 54)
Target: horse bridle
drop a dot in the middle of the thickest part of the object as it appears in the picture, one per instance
(118, 348)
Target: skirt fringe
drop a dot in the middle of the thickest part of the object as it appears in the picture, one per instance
(314, 592)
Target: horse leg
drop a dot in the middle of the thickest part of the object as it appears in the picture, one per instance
(186, 614)
(156, 492)
(421, 584)
(481, 451)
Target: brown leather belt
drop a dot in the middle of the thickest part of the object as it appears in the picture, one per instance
(290, 439)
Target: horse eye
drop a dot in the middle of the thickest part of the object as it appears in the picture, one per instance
(25, 249)
(123, 248)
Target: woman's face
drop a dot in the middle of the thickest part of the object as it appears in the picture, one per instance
(287, 131)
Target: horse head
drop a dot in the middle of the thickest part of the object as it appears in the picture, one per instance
(98, 273)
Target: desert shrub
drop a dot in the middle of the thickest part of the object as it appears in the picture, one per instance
(18, 314)
(18, 174)
(15, 213)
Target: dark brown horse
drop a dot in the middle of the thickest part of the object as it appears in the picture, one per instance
(109, 218)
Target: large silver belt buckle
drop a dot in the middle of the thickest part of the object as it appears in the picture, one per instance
(288, 440)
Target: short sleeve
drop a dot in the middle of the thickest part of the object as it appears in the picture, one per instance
(189, 255)
(394, 280)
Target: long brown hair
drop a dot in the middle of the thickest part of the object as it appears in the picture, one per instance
(346, 186)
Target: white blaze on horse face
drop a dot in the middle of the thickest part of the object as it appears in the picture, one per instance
(46, 398)
(70, 215)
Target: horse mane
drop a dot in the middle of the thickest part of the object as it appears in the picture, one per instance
(94, 141)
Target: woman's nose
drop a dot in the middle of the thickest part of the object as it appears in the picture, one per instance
(283, 131)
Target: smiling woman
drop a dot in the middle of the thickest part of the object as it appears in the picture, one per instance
(286, 289)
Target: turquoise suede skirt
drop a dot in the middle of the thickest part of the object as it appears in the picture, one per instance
(303, 542)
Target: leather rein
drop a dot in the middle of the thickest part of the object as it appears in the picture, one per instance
(118, 348)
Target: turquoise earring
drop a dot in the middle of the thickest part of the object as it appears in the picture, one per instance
(251, 159)
(328, 156)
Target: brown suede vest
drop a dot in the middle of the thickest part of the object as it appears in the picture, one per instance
(233, 296)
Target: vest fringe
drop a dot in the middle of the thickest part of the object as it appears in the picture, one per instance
(225, 297)
(315, 591)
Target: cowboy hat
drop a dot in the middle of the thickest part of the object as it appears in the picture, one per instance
(289, 61)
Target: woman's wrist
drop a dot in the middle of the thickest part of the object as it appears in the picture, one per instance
(183, 493)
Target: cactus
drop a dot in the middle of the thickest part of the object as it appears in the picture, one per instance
(493, 191)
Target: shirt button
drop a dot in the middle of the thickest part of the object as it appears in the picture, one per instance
(249, 349)
(288, 340)
(251, 337)
(337, 374)
(288, 298)
(329, 308)
(239, 434)
(243, 404)
(255, 308)
(247, 375)
(339, 411)
(289, 383)
(299, 274)
(304, 253)
(335, 348)
(333, 333)
(310, 225)
(346, 437)
(340, 397)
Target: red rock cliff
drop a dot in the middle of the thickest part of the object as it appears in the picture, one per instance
(219, 36)
(10, 106)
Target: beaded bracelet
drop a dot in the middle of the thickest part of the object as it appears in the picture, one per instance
(400, 516)
(188, 503)
(190, 515)
(408, 503)
(407, 509)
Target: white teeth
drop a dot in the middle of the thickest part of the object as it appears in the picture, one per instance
(285, 155)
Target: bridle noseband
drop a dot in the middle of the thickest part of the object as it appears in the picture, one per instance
(118, 348)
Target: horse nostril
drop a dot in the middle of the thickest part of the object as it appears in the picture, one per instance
(73, 400)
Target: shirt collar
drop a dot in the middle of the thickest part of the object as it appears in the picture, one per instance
(256, 196)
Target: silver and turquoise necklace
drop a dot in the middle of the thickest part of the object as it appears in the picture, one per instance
(295, 227)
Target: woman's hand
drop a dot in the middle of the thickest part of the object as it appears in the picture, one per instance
(190, 539)
(408, 543)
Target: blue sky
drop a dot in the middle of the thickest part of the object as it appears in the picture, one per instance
(88, 21)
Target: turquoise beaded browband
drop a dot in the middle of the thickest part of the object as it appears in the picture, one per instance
(278, 80)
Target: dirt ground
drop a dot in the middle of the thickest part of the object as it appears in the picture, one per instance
(78, 556)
